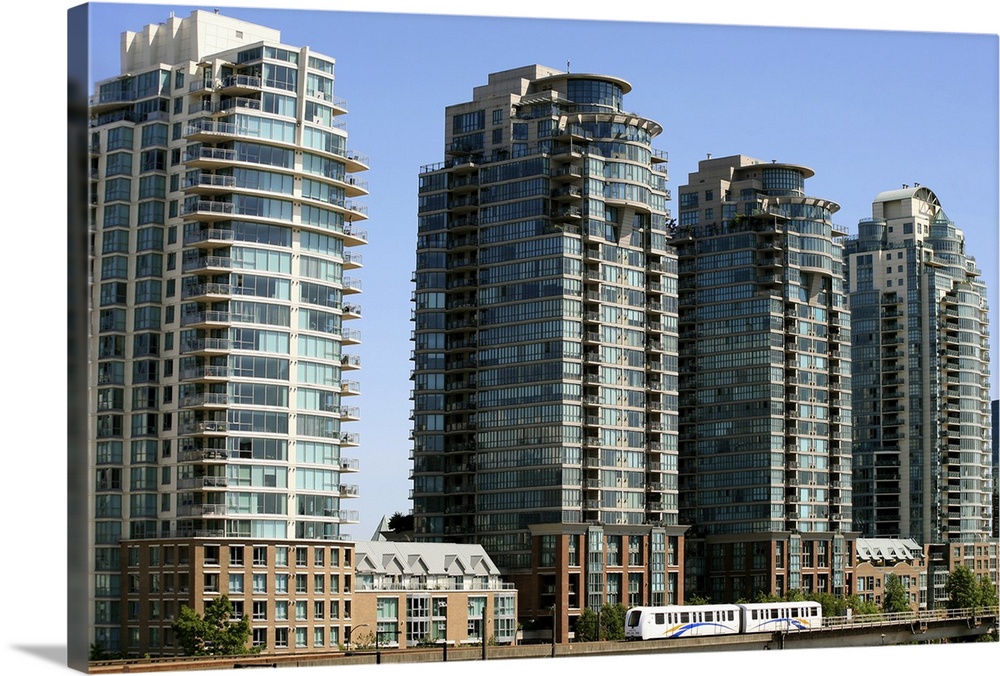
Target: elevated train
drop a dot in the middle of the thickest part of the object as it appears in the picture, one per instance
(644, 623)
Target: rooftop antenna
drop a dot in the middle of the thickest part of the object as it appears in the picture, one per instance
(567, 65)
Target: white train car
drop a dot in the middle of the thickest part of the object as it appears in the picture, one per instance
(787, 616)
(643, 623)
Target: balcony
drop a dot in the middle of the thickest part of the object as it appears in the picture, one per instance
(202, 482)
(206, 345)
(207, 264)
(206, 292)
(208, 210)
(209, 238)
(202, 510)
(352, 260)
(206, 157)
(205, 400)
(354, 236)
(350, 336)
(210, 319)
(206, 373)
(201, 455)
(239, 84)
(355, 161)
(205, 427)
(566, 214)
(206, 184)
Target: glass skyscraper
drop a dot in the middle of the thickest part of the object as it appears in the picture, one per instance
(545, 334)
(222, 234)
(919, 310)
(765, 383)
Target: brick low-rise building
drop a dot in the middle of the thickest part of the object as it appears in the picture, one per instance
(877, 558)
(415, 594)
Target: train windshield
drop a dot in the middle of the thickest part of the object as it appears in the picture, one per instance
(633, 618)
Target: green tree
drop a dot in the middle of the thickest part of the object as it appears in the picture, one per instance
(894, 597)
(696, 601)
(586, 626)
(215, 633)
(399, 523)
(362, 640)
(963, 589)
(859, 607)
(988, 593)
(613, 622)
(833, 606)
(795, 595)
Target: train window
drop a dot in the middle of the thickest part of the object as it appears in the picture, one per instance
(753, 614)
(658, 618)
(795, 612)
(685, 617)
(730, 616)
(774, 613)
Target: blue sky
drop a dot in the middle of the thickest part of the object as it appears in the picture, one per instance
(867, 108)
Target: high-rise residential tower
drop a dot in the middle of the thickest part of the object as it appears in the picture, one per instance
(222, 228)
(765, 383)
(922, 465)
(545, 378)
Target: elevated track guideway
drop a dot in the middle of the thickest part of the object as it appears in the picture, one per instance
(926, 626)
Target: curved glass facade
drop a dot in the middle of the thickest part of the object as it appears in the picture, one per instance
(545, 330)
(594, 96)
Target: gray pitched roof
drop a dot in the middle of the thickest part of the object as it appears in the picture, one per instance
(422, 558)
(888, 549)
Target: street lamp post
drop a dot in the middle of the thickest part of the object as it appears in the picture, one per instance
(350, 633)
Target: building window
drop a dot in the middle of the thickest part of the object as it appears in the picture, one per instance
(236, 583)
(281, 637)
(387, 614)
(547, 551)
(476, 610)
(259, 583)
(635, 589)
(259, 637)
(417, 619)
(614, 588)
(504, 620)
(614, 557)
